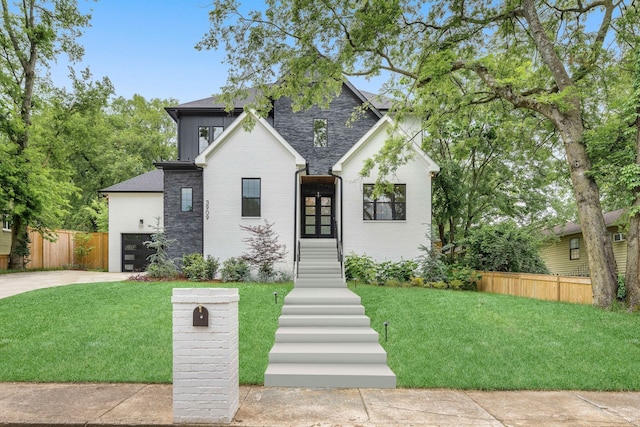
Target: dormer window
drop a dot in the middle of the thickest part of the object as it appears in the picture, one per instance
(206, 135)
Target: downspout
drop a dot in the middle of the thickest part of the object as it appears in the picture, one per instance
(341, 211)
(295, 211)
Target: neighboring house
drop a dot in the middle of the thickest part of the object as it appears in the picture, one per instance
(298, 170)
(5, 237)
(567, 256)
(135, 207)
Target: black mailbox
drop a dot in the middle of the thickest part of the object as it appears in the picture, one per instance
(200, 316)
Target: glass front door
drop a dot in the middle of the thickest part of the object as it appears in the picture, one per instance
(318, 216)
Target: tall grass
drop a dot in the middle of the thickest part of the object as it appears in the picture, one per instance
(121, 332)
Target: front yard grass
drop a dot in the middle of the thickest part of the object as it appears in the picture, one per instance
(121, 332)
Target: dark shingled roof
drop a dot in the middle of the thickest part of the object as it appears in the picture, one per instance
(150, 182)
(213, 102)
(569, 228)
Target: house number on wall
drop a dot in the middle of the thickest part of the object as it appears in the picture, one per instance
(206, 211)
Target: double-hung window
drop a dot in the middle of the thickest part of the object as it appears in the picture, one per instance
(574, 249)
(251, 197)
(388, 206)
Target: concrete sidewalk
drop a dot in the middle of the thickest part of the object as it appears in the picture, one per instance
(24, 404)
(17, 283)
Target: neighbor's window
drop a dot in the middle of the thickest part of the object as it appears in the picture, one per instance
(6, 222)
(320, 132)
(574, 249)
(250, 196)
(186, 197)
(391, 205)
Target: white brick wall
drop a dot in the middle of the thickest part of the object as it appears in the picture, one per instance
(205, 359)
(386, 240)
(255, 154)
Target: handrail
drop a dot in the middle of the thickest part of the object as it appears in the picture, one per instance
(295, 210)
(297, 261)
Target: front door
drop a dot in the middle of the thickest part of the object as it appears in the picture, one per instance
(317, 219)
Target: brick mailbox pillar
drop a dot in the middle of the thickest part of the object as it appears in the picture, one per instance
(205, 355)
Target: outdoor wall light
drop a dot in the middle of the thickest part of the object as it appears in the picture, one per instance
(141, 222)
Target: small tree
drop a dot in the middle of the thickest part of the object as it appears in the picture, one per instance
(264, 249)
(160, 265)
(82, 248)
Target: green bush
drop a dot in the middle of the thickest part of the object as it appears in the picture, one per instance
(431, 265)
(401, 271)
(197, 269)
(360, 267)
(235, 270)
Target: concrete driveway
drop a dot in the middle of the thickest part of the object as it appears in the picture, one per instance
(17, 283)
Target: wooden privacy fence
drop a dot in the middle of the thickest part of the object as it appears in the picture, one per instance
(61, 253)
(540, 286)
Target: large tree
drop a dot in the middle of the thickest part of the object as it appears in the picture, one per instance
(100, 140)
(542, 57)
(33, 33)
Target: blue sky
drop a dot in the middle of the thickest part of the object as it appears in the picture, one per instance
(146, 47)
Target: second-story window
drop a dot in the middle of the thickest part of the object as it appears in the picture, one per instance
(206, 135)
(320, 132)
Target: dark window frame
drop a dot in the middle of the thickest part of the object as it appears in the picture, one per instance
(183, 199)
(391, 206)
(209, 134)
(574, 249)
(251, 205)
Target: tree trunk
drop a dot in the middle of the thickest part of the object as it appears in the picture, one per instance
(602, 264)
(19, 244)
(632, 273)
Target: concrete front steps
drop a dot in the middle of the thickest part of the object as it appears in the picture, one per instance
(324, 338)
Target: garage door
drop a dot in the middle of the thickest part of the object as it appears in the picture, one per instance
(134, 252)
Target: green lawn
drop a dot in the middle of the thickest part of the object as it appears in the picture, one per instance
(121, 332)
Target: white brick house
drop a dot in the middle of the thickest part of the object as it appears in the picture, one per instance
(298, 170)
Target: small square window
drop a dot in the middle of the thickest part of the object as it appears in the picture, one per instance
(574, 249)
(186, 197)
(320, 132)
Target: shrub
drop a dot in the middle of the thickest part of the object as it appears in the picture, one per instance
(431, 265)
(197, 269)
(160, 265)
(401, 271)
(464, 275)
(235, 270)
(504, 247)
(263, 249)
(360, 267)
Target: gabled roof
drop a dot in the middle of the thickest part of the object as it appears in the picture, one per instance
(201, 160)
(213, 103)
(610, 218)
(150, 182)
(383, 122)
